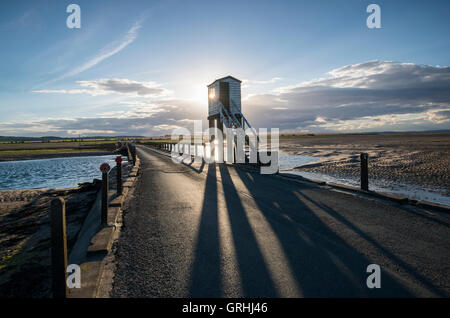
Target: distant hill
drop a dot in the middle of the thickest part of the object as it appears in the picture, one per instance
(54, 138)
(14, 138)
(17, 139)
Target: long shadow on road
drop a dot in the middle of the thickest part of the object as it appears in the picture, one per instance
(206, 276)
(374, 243)
(255, 277)
(323, 264)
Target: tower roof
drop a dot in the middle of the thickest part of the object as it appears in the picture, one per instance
(219, 79)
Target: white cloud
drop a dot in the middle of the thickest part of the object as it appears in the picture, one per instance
(378, 74)
(165, 127)
(112, 85)
(124, 86)
(107, 52)
(372, 96)
(150, 119)
(90, 132)
(351, 95)
(439, 116)
(64, 91)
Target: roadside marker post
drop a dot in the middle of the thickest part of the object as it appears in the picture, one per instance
(59, 248)
(364, 171)
(119, 174)
(104, 168)
(133, 153)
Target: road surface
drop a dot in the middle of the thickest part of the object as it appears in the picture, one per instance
(215, 230)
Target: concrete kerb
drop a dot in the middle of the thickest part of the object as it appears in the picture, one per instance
(101, 242)
(94, 241)
(433, 206)
(384, 196)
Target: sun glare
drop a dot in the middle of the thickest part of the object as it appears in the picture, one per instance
(211, 93)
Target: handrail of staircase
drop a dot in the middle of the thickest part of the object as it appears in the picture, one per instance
(230, 115)
(245, 119)
(224, 119)
(234, 118)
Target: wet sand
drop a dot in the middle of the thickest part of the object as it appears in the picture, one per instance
(25, 236)
(421, 159)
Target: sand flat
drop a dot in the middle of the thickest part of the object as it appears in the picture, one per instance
(415, 158)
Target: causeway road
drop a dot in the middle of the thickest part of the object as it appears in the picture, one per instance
(218, 230)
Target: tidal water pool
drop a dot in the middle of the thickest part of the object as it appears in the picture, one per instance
(51, 173)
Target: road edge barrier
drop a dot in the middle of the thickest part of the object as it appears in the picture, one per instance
(99, 238)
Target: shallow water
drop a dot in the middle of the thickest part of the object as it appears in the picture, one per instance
(51, 173)
(415, 192)
(286, 161)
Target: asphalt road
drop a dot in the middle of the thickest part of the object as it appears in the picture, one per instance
(219, 231)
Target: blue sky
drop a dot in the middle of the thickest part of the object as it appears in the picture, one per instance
(141, 67)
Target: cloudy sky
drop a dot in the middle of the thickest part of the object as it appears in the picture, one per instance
(141, 67)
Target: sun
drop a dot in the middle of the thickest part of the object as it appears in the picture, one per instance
(199, 93)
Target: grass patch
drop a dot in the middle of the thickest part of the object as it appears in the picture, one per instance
(47, 151)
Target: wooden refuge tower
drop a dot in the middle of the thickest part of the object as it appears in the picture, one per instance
(224, 104)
